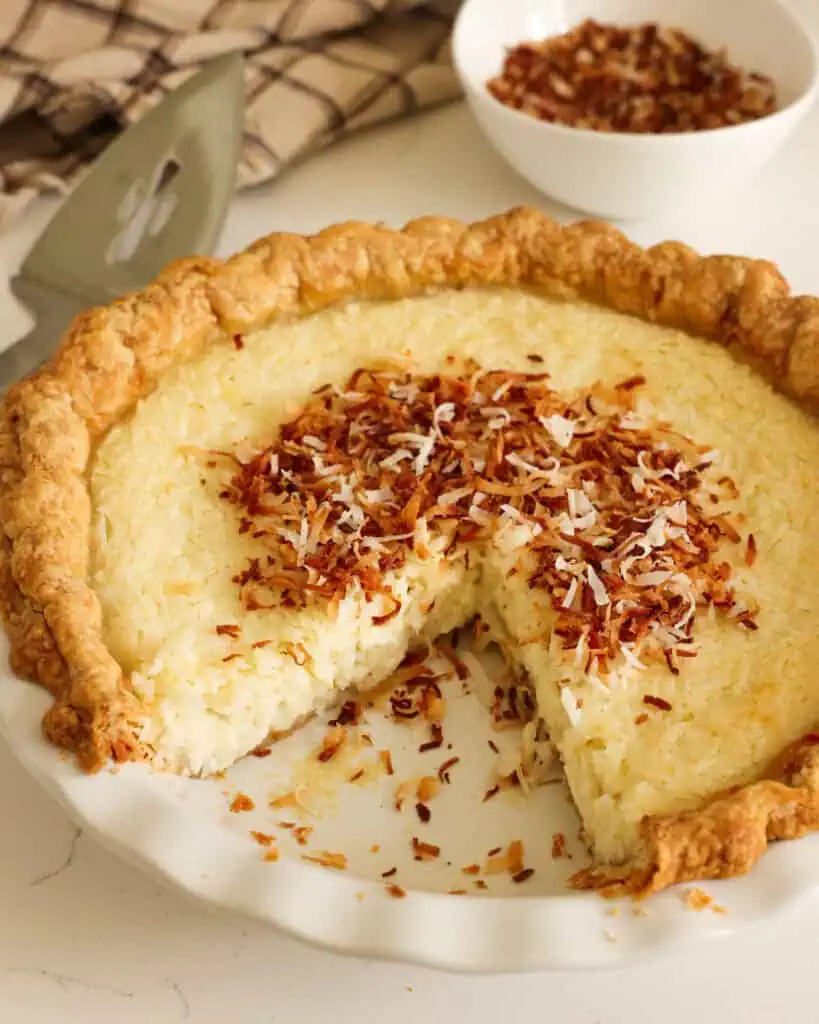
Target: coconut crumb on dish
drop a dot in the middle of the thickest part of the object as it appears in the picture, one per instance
(698, 899)
(291, 799)
(241, 802)
(445, 768)
(336, 861)
(302, 833)
(559, 846)
(424, 851)
(331, 743)
(423, 812)
(509, 862)
(428, 787)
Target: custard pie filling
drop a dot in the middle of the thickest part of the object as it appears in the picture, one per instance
(629, 509)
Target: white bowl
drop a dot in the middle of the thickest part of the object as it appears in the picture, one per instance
(624, 176)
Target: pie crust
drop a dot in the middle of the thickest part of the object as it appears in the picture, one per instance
(113, 356)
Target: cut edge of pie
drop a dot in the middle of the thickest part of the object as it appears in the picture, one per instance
(113, 356)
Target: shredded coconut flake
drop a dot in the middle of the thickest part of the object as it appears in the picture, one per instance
(630, 657)
(598, 588)
(568, 600)
(559, 428)
(479, 515)
(652, 579)
(444, 413)
(453, 497)
(570, 705)
(379, 496)
(304, 532)
(398, 456)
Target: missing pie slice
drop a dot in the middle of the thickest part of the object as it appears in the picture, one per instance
(255, 485)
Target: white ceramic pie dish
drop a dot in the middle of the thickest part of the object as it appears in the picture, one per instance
(623, 176)
(179, 830)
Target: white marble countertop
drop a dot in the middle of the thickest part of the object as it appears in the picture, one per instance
(86, 937)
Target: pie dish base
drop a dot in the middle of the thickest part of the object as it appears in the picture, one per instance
(179, 831)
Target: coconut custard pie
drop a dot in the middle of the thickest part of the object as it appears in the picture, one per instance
(233, 497)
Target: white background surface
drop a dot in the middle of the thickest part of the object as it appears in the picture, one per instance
(85, 937)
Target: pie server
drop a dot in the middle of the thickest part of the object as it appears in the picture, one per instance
(160, 191)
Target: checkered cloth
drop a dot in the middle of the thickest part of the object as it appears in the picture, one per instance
(73, 73)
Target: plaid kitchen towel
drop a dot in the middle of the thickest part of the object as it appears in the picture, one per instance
(73, 73)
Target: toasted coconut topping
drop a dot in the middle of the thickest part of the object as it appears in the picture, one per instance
(302, 833)
(623, 529)
(444, 769)
(423, 812)
(293, 800)
(510, 862)
(515, 855)
(435, 741)
(696, 899)
(428, 787)
(403, 791)
(512, 705)
(349, 714)
(558, 846)
(424, 851)
(332, 741)
(241, 802)
(327, 859)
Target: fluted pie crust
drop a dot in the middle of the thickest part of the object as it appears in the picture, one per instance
(114, 356)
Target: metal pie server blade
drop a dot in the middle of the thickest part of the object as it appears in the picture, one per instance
(160, 191)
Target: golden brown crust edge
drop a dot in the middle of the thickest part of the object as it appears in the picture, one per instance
(725, 837)
(111, 357)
